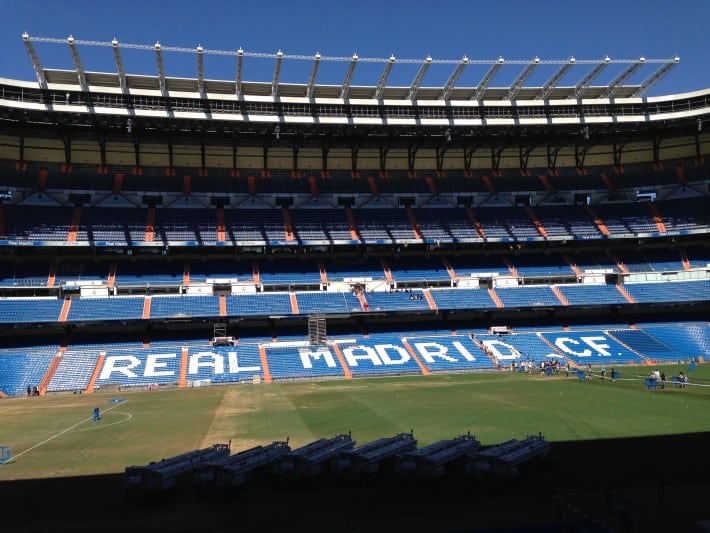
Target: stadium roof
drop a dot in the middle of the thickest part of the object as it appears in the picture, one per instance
(378, 88)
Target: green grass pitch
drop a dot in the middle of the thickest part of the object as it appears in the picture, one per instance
(54, 436)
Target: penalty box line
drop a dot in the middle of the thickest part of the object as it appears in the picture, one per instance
(62, 432)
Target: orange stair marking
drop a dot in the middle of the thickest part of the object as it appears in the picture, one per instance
(186, 273)
(95, 374)
(42, 179)
(313, 186)
(251, 183)
(431, 185)
(680, 174)
(222, 305)
(607, 181)
(150, 225)
(538, 225)
(323, 273)
(573, 266)
(264, 364)
(146, 308)
(294, 303)
(449, 268)
(413, 222)
(64, 313)
(186, 185)
(221, 228)
(363, 301)
(429, 299)
(489, 184)
(354, 235)
(112, 274)
(255, 272)
(625, 294)
(182, 380)
(475, 222)
(51, 278)
(495, 298)
(74, 224)
(288, 226)
(386, 270)
(51, 369)
(560, 296)
(619, 264)
(341, 359)
(684, 258)
(657, 218)
(597, 220)
(413, 354)
(546, 182)
(117, 183)
(510, 266)
(374, 189)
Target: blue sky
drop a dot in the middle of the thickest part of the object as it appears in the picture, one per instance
(479, 29)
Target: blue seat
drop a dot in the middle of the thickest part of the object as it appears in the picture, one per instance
(652, 383)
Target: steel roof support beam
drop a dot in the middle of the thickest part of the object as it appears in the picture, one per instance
(161, 67)
(440, 154)
(483, 85)
(81, 75)
(617, 82)
(618, 148)
(119, 65)
(412, 150)
(240, 68)
(382, 83)
(36, 65)
(453, 78)
(587, 79)
(314, 73)
(554, 80)
(277, 74)
(580, 154)
(552, 153)
(520, 80)
(657, 75)
(417, 81)
(200, 69)
(345, 88)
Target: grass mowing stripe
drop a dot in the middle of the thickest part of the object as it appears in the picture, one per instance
(493, 406)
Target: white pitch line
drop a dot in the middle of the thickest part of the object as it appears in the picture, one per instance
(102, 426)
(14, 457)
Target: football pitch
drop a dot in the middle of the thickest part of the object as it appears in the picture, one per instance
(55, 435)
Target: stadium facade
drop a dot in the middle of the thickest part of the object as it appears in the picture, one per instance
(449, 228)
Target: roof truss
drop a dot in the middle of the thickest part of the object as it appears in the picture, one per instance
(378, 89)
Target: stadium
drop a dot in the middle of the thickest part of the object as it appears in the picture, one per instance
(162, 236)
